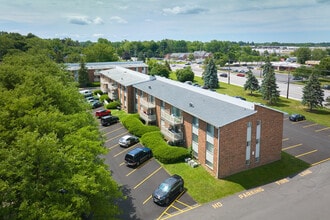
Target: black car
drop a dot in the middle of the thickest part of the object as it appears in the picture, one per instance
(137, 156)
(223, 75)
(168, 190)
(109, 120)
(297, 117)
(96, 104)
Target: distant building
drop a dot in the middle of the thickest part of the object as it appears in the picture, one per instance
(226, 135)
(95, 68)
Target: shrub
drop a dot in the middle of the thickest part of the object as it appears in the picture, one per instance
(164, 153)
(104, 97)
(113, 105)
(134, 125)
(98, 91)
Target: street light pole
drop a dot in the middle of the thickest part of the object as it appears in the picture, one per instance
(288, 85)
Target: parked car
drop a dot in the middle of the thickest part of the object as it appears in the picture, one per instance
(137, 156)
(96, 104)
(86, 93)
(102, 112)
(128, 140)
(223, 75)
(109, 120)
(297, 78)
(168, 190)
(326, 87)
(240, 74)
(297, 117)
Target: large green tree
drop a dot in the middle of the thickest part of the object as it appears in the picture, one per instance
(160, 70)
(185, 74)
(83, 77)
(312, 93)
(303, 54)
(210, 75)
(269, 87)
(50, 146)
(251, 83)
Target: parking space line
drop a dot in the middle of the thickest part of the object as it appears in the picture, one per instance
(145, 201)
(137, 168)
(306, 126)
(317, 163)
(145, 179)
(113, 131)
(123, 151)
(309, 152)
(285, 139)
(116, 145)
(293, 146)
(322, 129)
(116, 137)
(122, 164)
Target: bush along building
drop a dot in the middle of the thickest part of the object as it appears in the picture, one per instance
(227, 135)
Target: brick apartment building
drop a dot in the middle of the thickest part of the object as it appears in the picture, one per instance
(227, 135)
(95, 68)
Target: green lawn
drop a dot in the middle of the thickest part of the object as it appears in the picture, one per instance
(205, 188)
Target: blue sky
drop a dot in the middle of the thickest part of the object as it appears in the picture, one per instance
(259, 21)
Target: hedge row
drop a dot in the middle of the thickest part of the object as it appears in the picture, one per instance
(113, 105)
(161, 150)
(134, 125)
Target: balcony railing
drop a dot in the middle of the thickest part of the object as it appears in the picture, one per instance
(171, 135)
(148, 118)
(113, 86)
(147, 104)
(174, 120)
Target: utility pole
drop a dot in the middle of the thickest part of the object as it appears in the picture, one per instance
(288, 85)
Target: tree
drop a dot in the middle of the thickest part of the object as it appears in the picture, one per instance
(303, 54)
(268, 87)
(100, 52)
(160, 70)
(312, 93)
(83, 74)
(185, 74)
(210, 75)
(251, 83)
(50, 146)
(324, 66)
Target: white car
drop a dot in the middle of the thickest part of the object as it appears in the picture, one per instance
(128, 140)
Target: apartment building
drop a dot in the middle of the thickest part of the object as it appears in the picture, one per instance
(227, 135)
(95, 68)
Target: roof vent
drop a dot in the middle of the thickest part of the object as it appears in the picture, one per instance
(191, 104)
(149, 87)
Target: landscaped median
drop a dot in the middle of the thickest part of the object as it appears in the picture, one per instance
(200, 184)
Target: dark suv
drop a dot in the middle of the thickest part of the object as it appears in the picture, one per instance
(137, 156)
(109, 120)
(168, 190)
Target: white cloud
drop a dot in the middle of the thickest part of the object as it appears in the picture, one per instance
(118, 19)
(184, 10)
(84, 20)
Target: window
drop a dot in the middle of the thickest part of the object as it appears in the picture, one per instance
(210, 130)
(248, 143)
(195, 122)
(258, 134)
(176, 112)
(162, 105)
(195, 145)
(151, 99)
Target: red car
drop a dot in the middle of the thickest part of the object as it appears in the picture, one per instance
(241, 75)
(103, 112)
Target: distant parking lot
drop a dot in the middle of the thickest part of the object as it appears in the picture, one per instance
(138, 183)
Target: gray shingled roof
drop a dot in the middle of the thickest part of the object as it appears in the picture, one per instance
(125, 77)
(105, 65)
(209, 106)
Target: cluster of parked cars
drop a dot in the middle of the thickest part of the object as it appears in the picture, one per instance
(169, 189)
(94, 102)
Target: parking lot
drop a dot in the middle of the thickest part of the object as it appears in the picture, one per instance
(307, 141)
(138, 183)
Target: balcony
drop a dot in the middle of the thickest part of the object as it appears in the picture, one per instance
(171, 135)
(113, 86)
(148, 118)
(174, 120)
(147, 104)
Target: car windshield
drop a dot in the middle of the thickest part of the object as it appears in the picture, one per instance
(164, 187)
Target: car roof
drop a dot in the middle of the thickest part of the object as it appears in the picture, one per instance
(138, 149)
(173, 179)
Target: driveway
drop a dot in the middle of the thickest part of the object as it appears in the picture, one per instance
(138, 183)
